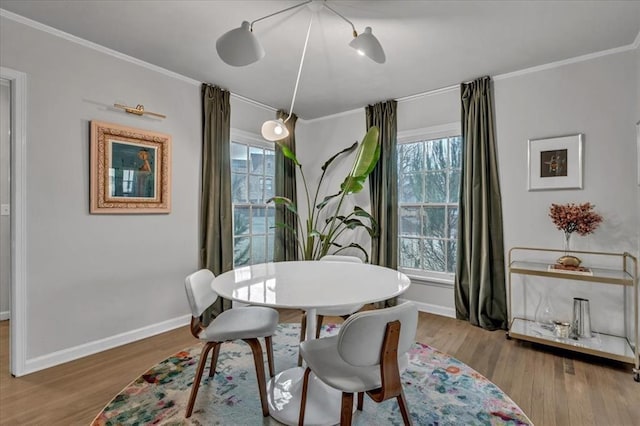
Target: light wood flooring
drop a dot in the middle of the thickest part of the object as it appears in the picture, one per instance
(553, 387)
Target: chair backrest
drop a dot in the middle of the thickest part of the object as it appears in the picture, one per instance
(199, 292)
(340, 258)
(361, 336)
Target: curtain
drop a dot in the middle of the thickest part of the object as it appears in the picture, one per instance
(286, 247)
(383, 187)
(480, 292)
(383, 184)
(216, 226)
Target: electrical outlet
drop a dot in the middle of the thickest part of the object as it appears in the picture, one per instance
(5, 209)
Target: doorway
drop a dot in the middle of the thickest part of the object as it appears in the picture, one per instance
(13, 197)
(5, 197)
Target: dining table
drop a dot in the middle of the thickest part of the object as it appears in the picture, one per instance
(309, 286)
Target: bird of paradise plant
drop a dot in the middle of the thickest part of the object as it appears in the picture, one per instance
(315, 238)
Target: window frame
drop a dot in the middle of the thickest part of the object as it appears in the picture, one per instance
(250, 140)
(447, 130)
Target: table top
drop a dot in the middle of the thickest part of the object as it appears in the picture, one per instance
(310, 284)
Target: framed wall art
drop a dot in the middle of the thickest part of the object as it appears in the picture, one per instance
(638, 150)
(555, 163)
(130, 170)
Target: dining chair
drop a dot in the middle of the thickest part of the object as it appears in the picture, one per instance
(367, 355)
(245, 323)
(341, 311)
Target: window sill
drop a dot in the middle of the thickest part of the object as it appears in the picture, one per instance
(432, 281)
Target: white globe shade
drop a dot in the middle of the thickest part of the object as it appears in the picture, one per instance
(239, 47)
(274, 130)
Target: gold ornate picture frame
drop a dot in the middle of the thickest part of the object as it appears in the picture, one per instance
(130, 170)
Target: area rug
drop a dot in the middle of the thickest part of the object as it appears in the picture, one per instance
(440, 390)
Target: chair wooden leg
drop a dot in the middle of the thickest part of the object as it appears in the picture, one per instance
(319, 318)
(402, 402)
(196, 379)
(303, 334)
(303, 397)
(347, 409)
(360, 400)
(256, 348)
(269, 345)
(214, 360)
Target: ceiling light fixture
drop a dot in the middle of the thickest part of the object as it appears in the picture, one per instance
(240, 47)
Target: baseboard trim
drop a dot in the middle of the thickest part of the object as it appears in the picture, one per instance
(433, 309)
(5, 315)
(70, 354)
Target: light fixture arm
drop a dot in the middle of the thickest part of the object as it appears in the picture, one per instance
(355, 33)
(278, 12)
(304, 52)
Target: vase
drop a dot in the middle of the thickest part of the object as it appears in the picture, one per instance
(567, 259)
(545, 313)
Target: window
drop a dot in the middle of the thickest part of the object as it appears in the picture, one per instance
(428, 191)
(252, 184)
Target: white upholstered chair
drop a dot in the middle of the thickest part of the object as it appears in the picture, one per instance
(367, 355)
(247, 323)
(341, 311)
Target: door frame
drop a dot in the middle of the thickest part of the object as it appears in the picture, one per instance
(18, 142)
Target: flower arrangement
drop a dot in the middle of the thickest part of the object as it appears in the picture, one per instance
(572, 217)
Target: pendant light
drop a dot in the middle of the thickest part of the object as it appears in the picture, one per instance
(275, 130)
(240, 47)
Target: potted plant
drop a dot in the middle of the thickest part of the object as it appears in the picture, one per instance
(319, 233)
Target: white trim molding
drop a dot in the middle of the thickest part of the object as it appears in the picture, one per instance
(431, 132)
(5, 315)
(19, 281)
(107, 51)
(86, 349)
(432, 309)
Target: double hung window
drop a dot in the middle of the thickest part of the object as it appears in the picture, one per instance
(428, 190)
(252, 184)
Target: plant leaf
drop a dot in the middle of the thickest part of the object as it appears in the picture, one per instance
(327, 199)
(356, 246)
(286, 151)
(278, 200)
(330, 160)
(285, 226)
(366, 160)
(368, 154)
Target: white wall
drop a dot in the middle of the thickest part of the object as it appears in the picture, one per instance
(94, 281)
(597, 97)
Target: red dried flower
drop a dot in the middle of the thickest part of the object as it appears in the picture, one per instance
(572, 217)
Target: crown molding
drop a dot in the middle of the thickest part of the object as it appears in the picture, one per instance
(557, 64)
(42, 27)
(91, 45)
(332, 116)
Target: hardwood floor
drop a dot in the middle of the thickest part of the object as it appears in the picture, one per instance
(553, 387)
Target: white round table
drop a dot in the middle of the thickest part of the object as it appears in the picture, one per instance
(308, 285)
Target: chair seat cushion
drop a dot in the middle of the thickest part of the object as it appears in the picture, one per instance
(241, 323)
(339, 311)
(321, 355)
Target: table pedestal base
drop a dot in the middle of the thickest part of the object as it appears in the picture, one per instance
(284, 392)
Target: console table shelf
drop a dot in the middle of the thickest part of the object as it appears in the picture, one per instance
(526, 261)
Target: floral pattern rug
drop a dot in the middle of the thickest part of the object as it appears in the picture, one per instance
(440, 390)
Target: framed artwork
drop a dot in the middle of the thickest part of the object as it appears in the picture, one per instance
(555, 163)
(638, 150)
(130, 170)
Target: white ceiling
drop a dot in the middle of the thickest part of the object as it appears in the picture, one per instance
(429, 44)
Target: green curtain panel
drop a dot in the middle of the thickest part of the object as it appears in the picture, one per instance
(383, 184)
(383, 188)
(480, 292)
(286, 247)
(216, 225)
